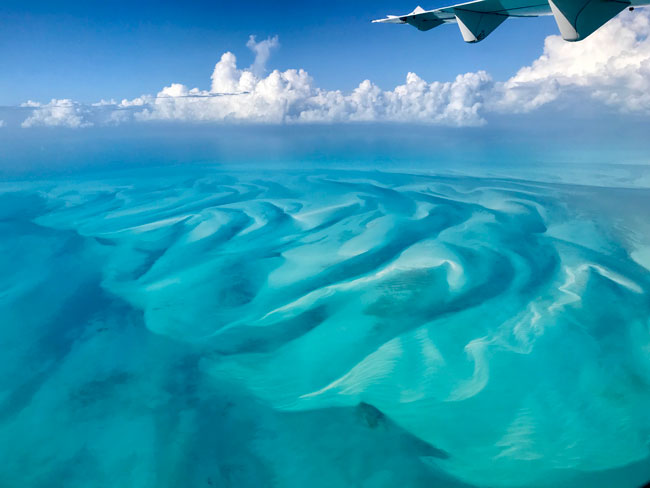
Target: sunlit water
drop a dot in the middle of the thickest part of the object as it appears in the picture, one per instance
(177, 328)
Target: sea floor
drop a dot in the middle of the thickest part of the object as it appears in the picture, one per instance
(211, 327)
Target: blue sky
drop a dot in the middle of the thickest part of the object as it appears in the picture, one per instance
(89, 50)
(145, 81)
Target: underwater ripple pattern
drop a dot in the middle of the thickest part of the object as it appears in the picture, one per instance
(333, 328)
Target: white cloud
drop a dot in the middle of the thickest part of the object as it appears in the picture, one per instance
(612, 67)
(57, 113)
(2, 123)
(262, 52)
(227, 79)
(291, 96)
(104, 103)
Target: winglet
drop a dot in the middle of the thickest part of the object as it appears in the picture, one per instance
(476, 26)
(579, 19)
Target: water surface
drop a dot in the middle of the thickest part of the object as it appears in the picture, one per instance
(244, 328)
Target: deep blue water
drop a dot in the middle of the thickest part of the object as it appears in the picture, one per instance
(198, 327)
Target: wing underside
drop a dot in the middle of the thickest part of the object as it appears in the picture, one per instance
(576, 19)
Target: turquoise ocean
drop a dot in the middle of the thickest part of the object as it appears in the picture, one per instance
(213, 326)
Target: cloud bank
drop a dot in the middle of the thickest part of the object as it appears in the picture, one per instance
(57, 113)
(612, 67)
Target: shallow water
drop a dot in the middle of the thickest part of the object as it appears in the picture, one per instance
(210, 327)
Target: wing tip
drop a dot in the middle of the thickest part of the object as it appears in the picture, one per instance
(390, 19)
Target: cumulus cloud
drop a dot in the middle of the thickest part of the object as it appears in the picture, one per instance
(246, 95)
(290, 97)
(611, 67)
(262, 52)
(57, 113)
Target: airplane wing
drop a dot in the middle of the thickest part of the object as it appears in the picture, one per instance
(576, 19)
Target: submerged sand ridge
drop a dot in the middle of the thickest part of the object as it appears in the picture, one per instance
(268, 327)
